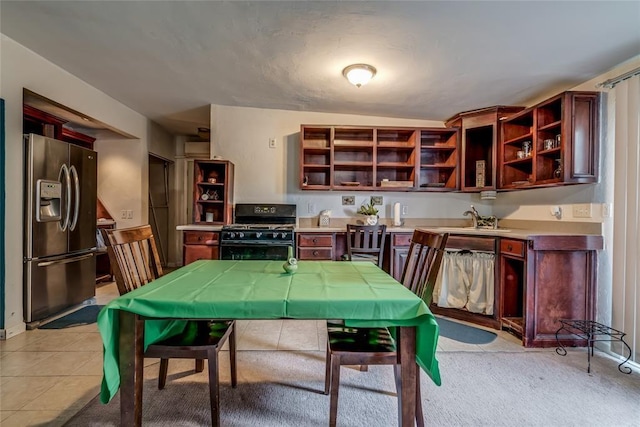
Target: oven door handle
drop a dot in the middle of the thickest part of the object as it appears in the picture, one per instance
(248, 243)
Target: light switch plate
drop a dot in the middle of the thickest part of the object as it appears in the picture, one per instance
(348, 200)
(376, 200)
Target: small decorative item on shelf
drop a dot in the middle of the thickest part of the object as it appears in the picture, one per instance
(305, 181)
(480, 173)
(526, 147)
(557, 140)
(205, 196)
(291, 264)
(558, 172)
(213, 175)
(549, 143)
(370, 211)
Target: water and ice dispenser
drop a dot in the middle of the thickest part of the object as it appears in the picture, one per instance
(48, 201)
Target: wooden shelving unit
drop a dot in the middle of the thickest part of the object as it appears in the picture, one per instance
(213, 199)
(439, 159)
(569, 122)
(381, 158)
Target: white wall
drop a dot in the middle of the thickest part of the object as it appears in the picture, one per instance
(21, 68)
(271, 175)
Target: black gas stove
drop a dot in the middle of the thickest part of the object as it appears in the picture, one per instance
(260, 231)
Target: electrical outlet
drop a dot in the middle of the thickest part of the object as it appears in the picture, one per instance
(129, 214)
(123, 214)
(606, 210)
(405, 209)
(311, 208)
(272, 143)
(376, 200)
(582, 210)
(348, 200)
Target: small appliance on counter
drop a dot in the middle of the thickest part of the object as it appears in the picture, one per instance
(325, 218)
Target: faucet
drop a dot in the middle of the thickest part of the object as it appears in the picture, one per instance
(482, 221)
(475, 216)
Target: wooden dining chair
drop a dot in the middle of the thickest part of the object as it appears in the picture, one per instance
(135, 262)
(376, 346)
(366, 243)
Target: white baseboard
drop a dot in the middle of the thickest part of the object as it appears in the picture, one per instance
(12, 332)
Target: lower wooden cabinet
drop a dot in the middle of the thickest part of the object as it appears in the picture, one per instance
(316, 246)
(554, 278)
(200, 245)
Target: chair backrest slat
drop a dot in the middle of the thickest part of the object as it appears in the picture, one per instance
(366, 240)
(133, 255)
(423, 263)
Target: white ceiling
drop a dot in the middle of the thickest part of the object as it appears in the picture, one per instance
(170, 60)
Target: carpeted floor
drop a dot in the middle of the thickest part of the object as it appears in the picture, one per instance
(533, 388)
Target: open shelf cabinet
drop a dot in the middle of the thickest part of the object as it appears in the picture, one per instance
(213, 192)
(563, 135)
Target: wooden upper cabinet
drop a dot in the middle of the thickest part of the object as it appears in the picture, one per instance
(480, 133)
(380, 158)
(41, 123)
(563, 135)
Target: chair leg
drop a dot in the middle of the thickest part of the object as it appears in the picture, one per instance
(327, 370)
(214, 387)
(199, 365)
(162, 375)
(419, 414)
(335, 383)
(232, 356)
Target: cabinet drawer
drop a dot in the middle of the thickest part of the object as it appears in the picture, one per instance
(209, 238)
(315, 253)
(484, 244)
(512, 247)
(402, 239)
(315, 240)
(195, 252)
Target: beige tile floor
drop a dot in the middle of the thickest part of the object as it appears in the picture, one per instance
(46, 376)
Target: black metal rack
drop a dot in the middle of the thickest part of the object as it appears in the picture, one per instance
(592, 332)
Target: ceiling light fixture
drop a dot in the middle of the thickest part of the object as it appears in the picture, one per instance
(359, 74)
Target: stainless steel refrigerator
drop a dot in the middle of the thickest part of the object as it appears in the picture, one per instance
(59, 226)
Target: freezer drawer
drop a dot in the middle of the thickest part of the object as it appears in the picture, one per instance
(53, 285)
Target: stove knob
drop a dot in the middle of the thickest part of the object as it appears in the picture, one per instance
(232, 235)
(258, 234)
(283, 235)
(240, 235)
(275, 235)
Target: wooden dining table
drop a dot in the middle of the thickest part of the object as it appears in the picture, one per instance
(358, 292)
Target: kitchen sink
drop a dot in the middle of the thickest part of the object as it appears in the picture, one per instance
(473, 230)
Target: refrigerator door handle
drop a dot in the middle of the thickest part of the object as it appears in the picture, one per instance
(64, 177)
(76, 208)
(66, 260)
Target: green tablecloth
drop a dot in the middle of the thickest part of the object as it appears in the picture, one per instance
(358, 292)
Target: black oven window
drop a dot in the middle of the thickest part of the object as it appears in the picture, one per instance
(261, 252)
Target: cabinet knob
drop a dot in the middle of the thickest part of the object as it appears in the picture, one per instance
(314, 240)
(509, 247)
(315, 253)
(199, 238)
